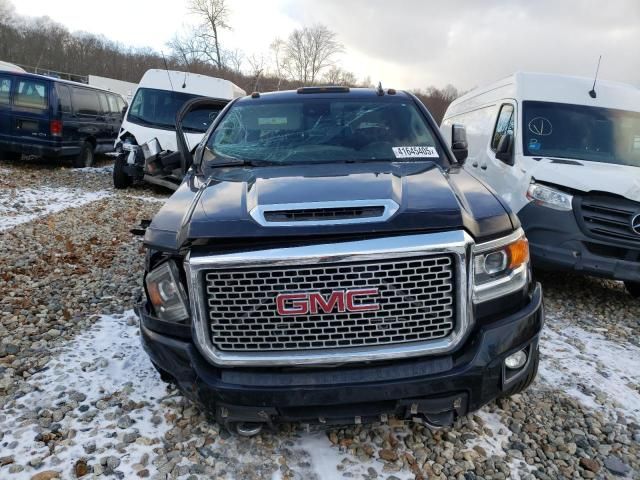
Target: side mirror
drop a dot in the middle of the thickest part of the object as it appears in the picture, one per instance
(504, 152)
(181, 140)
(459, 145)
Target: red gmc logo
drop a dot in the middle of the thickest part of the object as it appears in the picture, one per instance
(315, 302)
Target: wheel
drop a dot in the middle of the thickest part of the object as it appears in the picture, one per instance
(85, 157)
(121, 178)
(526, 381)
(11, 156)
(633, 288)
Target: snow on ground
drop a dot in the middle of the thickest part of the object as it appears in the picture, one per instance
(594, 370)
(98, 364)
(106, 169)
(27, 204)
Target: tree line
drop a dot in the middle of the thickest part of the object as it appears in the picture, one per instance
(308, 56)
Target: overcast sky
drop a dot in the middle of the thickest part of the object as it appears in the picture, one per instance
(403, 43)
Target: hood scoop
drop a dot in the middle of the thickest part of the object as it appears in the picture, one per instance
(324, 213)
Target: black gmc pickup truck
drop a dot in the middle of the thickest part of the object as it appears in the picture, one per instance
(326, 259)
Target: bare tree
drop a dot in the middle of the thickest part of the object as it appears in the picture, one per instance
(185, 49)
(214, 17)
(278, 47)
(7, 11)
(309, 51)
(338, 76)
(257, 67)
(234, 59)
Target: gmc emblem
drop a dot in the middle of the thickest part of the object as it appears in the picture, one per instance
(314, 302)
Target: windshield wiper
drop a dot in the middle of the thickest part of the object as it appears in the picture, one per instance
(237, 162)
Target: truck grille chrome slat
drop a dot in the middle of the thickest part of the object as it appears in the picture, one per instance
(416, 298)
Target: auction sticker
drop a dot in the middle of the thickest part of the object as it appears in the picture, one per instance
(415, 152)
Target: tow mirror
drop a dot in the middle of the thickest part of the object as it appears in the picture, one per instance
(504, 152)
(459, 144)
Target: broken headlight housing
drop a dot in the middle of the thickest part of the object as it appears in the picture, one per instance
(166, 293)
(500, 267)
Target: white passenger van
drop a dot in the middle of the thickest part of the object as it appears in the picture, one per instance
(151, 116)
(566, 159)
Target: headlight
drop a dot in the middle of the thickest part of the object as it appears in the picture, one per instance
(166, 293)
(500, 267)
(549, 197)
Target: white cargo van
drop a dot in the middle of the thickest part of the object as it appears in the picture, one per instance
(152, 113)
(566, 159)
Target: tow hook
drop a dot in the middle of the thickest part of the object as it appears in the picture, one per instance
(248, 429)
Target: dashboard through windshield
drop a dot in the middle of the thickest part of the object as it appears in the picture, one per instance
(157, 109)
(314, 130)
(581, 132)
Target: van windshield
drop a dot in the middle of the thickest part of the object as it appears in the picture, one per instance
(324, 130)
(157, 109)
(580, 132)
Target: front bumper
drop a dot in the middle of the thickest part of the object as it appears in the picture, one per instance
(437, 388)
(556, 242)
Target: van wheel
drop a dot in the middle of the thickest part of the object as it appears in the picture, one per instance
(633, 288)
(85, 157)
(121, 179)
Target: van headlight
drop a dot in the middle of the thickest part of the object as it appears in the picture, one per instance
(500, 267)
(166, 293)
(549, 197)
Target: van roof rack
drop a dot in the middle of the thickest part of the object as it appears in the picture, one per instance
(330, 89)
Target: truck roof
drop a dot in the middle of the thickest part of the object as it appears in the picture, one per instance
(192, 83)
(60, 80)
(548, 87)
(362, 93)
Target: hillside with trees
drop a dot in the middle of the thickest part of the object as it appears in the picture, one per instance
(308, 56)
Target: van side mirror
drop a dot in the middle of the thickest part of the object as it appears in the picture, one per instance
(504, 152)
(459, 145)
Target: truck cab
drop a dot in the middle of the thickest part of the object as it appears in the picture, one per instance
(326, 259)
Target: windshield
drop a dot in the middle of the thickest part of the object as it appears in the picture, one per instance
(323, 130)
(158, 108)
(586, 133)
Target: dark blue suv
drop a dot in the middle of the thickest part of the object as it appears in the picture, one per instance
(56, 118)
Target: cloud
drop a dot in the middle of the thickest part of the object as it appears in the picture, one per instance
(415, 43)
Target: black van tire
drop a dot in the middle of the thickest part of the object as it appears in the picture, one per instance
(633, 288)
(121, 178)
(86, 156)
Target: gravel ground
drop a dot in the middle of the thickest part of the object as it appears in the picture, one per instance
(78, 397)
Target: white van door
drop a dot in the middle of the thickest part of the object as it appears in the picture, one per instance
(504, 175)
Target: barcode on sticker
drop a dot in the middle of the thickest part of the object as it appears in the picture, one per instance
(415, 152)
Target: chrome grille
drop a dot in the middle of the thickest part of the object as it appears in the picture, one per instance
(416, 296)
(607, 217)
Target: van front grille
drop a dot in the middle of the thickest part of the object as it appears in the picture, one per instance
(607, 217)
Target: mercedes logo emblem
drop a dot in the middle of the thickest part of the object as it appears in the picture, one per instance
(635, 224)
(540, 126)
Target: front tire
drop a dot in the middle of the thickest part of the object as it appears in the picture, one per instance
(121, 178)
(633, 288)
(86, 156)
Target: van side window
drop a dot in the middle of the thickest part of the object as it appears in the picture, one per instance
(104, 106)
(121, 104)
(85, 101)
(5, 91)
(65, 98)
(31, 94)
(113, 104)
(504, 125)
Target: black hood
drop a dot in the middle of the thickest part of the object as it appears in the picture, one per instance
(429, 199)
